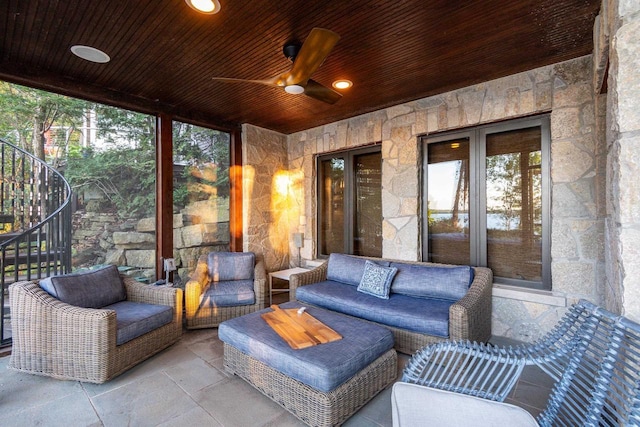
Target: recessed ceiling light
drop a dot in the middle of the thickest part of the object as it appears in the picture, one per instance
(342, 84)
(205, 6)
(90, 54)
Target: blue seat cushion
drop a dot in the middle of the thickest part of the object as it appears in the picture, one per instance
(322, 367)
(87, 289)
(425, 281)
(348, 269)
(229, 293)
(427, 316)
(225, 266)
(135, 319)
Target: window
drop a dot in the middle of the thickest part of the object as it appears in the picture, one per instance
(350, 202)
(487, 200)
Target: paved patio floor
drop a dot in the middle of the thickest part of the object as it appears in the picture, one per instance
(185, 385)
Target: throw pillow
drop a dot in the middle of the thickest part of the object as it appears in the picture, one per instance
(376, 280)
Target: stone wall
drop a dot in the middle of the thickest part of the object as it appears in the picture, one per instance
(618, 39)
(266, 227)
(565, 91)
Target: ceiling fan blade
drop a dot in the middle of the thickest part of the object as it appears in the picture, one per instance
(269, 82)
(321, 93)
(312, 54)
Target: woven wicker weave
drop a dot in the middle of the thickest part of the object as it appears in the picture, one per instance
(311, 406)
(592, 355)
(63, 341)
(469, 317)
(200, 315)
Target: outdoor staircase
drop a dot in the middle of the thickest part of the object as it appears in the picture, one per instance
(35, 223)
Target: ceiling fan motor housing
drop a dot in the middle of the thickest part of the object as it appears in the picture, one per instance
(291, 49)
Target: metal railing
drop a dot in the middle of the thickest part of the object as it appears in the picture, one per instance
(35, 221)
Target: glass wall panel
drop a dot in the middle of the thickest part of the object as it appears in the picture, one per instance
(201, 161)
(514, 204)
(367, 239)
(448, 201)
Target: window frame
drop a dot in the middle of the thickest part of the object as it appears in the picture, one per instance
(349, 194)
(477, 191)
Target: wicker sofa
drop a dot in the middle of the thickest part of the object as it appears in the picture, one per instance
(72, 342)
(415, 318)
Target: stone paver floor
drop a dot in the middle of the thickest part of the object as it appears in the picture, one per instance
(185, 384)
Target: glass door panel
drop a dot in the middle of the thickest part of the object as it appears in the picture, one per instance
(448, 201)
(332, 206)
(367, 238)
(514, 204)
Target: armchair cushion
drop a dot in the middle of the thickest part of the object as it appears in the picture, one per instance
(229, 293)
(134, 319)
(225, 266)
(87, 289)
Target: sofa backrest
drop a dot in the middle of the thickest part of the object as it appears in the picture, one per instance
(428, 281)
(348, 269)
(225, 266)
(88, 289)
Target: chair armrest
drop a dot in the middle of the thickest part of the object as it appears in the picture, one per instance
(197, 285)
(470, 317)
(50, 335)
(413, 405)
(151, 294)
(475, 369)
(314, 275)
(260, 282)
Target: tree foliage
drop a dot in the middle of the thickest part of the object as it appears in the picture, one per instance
(120, 161)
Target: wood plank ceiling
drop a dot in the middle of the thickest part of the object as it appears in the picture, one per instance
(164, 54)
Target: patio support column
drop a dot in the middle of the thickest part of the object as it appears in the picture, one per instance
(164, 191)
(623, 139)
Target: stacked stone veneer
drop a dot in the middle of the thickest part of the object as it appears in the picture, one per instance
(565, 91)
(198, 229)
(264, 231)
(618, 41)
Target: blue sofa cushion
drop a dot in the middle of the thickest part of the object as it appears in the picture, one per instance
(323, 367)
(376, 280)
(427, 316)
(88, 289)
(447, 283)
(347, 269)
(225, 266)
(229, 293)
(135, 319)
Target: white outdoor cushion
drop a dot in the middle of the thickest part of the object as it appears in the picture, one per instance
(416, 405)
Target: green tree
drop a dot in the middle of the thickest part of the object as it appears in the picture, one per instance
(26, 115)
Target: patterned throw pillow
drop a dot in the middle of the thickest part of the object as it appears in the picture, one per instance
(376, 280)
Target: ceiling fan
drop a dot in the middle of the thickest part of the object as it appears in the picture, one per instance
(306, 60)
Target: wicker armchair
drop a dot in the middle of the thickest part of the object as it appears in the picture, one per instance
(68, 342)
(215, 291)
(593, 356)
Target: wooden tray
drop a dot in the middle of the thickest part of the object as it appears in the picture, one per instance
(299, 330)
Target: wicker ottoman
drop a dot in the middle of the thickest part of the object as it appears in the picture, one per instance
(322, 385)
